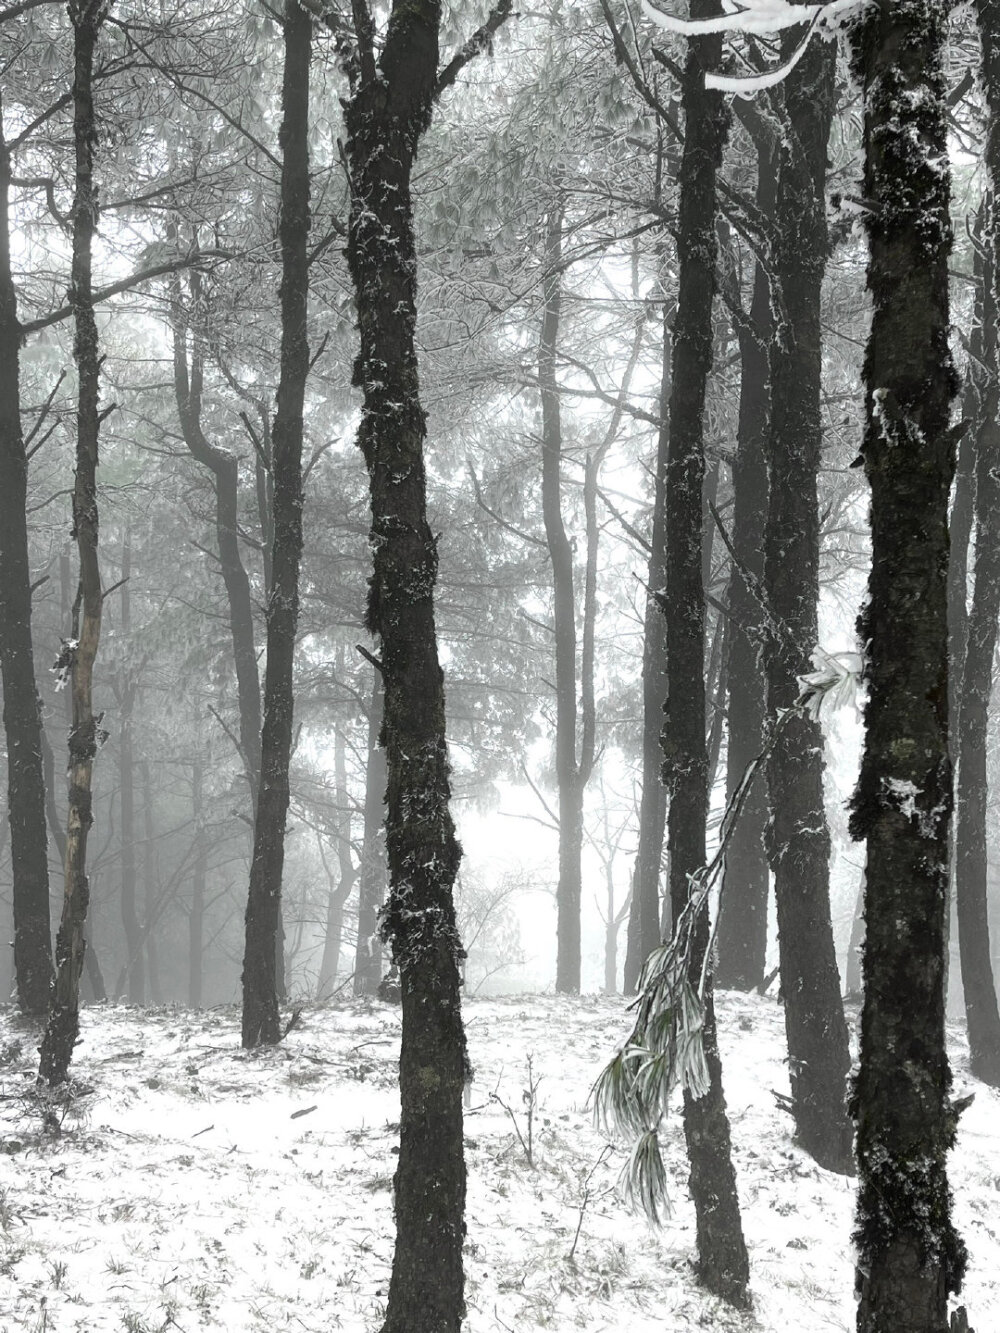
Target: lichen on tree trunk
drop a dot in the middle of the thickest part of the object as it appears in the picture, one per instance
(80, 653)
(909, 1254)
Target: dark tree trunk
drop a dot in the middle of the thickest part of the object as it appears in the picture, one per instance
(799, 841)
(909, 1255)
(347, 874)
(196, 919)
(80, 654)
(261, 1022)
(722, 1256)
(571, 774)
(644, 917)
(389, 109)
(742, 934)
(373, 873)
(21, 708)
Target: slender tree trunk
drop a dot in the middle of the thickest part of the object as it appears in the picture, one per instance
(134, 934)
(337, 896)
(21, 707)
(570, 776)
(909, 1255)
(373, 874)
(972, 787)
(722, 1257)
(971, 877)
(390, 107)
(79, 655)
(742, 935)
(855, 947)
(799, 842)
(261, 1023)
(196, 919)
(150, 906)
(224, 466)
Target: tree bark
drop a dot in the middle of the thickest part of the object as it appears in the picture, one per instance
(21, 706)
(644, 917)
(742, 934)
(79, 655)
(722, 1257)
(799, 839)
(373, 873)
(261, 1022)
(909, 1255)
(389, 109)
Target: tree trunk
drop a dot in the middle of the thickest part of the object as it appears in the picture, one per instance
(971, 876)
(337, 897)
(722, 1257)
(971, 871)
(742, 934)
(909, 1255)
(261, 1023)
(134, 933)
(224, 466)
(389, 108)
(21, 707)
(196, 919)
(571, 776)
(644, 917)
(799, 841)
(80, 654)
(373, 872)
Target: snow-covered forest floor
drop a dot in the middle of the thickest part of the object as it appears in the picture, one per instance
(193, 1186)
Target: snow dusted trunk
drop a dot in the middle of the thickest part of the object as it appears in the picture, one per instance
(742, 935)
(262, 982)
(909, 1255)
(722, 1256)
(63, 1024)
(799, 839)
(644, 916)
(393, 88)
(21, 708)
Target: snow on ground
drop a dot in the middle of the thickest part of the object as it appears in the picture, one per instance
(193, 1186)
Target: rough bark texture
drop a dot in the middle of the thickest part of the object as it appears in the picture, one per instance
(909, 1255)
(799, 839)
(80, 654)
(742, 934)
(571, 773)
(261, 1020)
(722, 1256)
(372, 875)
(21, 708)
(644, 916)
(387, 113)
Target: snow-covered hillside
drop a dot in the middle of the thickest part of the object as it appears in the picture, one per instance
(195, 1187)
